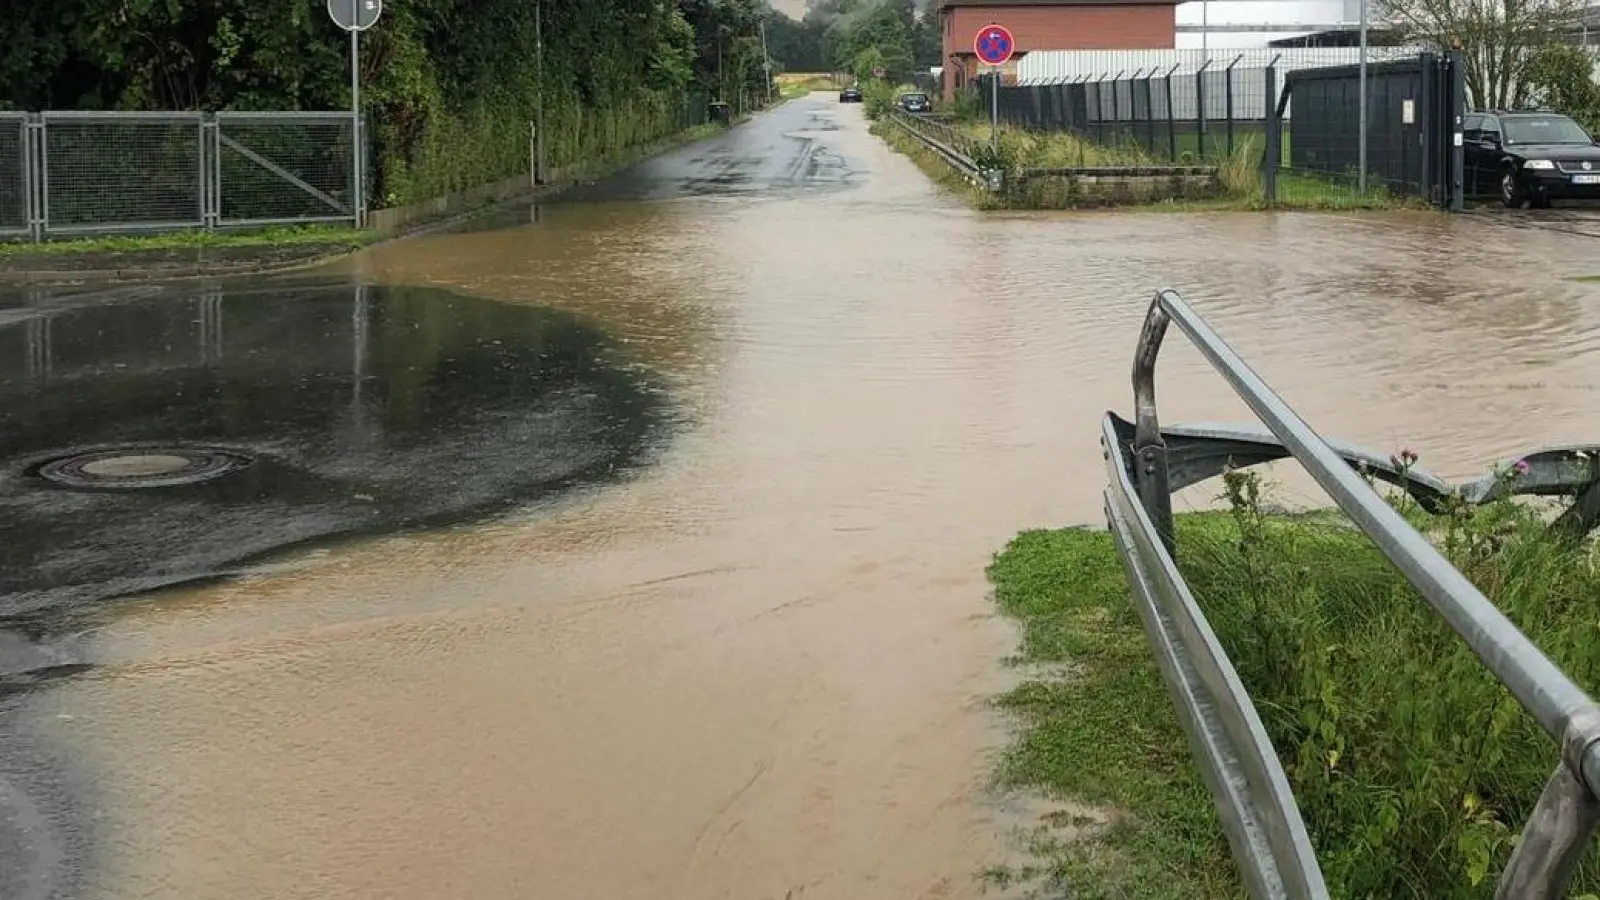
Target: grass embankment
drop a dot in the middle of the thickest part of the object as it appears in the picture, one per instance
(799, 84)
(1413, 768)
(309, 235)
(1240, 184)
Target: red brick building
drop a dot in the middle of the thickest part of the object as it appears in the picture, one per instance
(1051, 25)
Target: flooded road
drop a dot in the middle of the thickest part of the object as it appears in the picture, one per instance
(754, 663)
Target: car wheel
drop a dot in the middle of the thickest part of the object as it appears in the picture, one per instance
(1511, 192)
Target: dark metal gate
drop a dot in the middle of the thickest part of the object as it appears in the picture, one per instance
(1414, 111)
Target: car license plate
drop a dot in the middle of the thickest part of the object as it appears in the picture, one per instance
(1586, 179)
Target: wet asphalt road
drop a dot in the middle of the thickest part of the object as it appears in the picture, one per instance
(357, 409)
(757, 666)
(353, 408)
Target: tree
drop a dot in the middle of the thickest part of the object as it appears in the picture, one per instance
(1498, 37)
(1562, 76)
(882, 28)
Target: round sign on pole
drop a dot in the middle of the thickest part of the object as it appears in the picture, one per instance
(355, 15)
(994, 45)
(879, 71)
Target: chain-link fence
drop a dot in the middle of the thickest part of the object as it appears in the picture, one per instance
(274, 168)
(75, 173)
(1166, 115)
(15, 186)
(1413, 108)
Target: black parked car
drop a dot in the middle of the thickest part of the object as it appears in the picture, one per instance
(850, 95)
(915, 102)
(1529, 158)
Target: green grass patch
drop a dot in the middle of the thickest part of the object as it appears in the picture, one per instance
(1240, 183)
(184, 240)
(1587, 278)
(1105, 737)
(799, 84)
(1413, 767)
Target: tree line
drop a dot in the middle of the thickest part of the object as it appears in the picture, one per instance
(450, 86)
(857, 36)
(1518, 52)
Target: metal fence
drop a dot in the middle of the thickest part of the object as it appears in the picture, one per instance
(1058, 66)
(1413, 114)
(1181, 118)
(76, 173)
(1266, 834)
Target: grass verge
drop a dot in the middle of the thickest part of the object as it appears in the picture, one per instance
(1413, 767)
(1105, 736)
(185, 240)
(1240, 184)
(799, 84)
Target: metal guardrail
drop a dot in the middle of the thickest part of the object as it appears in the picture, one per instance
(1267, 837)
(950, 143)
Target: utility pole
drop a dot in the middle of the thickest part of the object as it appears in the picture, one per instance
(538, 114)
(1361, 130)
(766, 59)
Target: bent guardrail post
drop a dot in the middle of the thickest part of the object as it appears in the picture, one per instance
(1149, 450)
(1224, 731)
(1259, 816)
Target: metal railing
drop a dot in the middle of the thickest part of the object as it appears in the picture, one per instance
(1265, 832)
(952, 145)
(79, 173)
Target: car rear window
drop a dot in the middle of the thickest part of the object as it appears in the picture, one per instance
(1543, 130)
(916, 96)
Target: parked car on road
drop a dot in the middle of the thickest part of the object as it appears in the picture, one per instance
(1529, 158)
(915, 102)
(850, 95)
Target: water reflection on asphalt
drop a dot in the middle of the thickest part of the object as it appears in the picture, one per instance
(759, 667)
(362, 408)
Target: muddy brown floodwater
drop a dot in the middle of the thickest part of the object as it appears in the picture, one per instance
(759, 667)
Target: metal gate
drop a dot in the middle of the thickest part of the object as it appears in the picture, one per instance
(81, 173)
(271, 168)
(15, 186)
(1414, 111)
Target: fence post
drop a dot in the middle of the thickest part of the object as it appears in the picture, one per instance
(1150, 113)
(1200, 110)
(1274, 151)
(1457, 106)
(1228, 79)
(1172, 118)
(33, 176)
(1116, 111)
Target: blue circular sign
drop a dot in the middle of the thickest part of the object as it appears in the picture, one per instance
(994, 45)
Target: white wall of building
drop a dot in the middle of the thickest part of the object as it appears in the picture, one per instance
(1252, 23)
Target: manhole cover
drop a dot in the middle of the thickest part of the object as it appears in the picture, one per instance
(141, 467)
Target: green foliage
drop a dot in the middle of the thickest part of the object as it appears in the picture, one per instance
(1104, 740)
(1413, 766)
(1562, 75)
(451, 87)
(879, 97)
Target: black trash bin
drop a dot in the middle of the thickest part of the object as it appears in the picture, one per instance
(719, 113)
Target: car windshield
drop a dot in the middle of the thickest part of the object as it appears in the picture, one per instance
(915, 97)
(1544, 130)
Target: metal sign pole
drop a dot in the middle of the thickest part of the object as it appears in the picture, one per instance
(356, 16)
(994, 109)
(1361, 130)
(356, 137)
